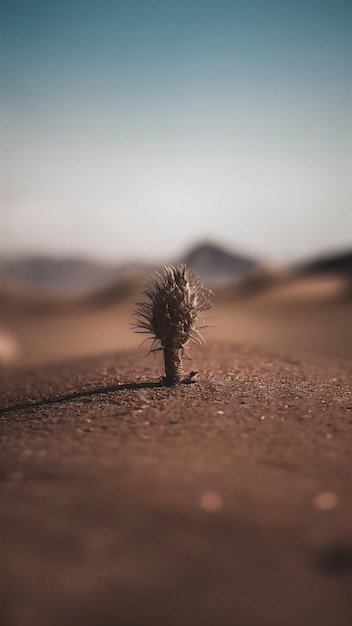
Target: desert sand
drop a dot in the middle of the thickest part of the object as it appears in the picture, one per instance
(226, 501)
(308, 314)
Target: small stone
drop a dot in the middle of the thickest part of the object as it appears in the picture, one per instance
(325, 501)
(211, 501)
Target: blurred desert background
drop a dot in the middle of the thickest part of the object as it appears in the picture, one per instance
(58, 308)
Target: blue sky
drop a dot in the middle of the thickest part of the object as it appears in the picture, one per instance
(132, 129)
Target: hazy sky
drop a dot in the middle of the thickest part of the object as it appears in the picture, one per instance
(131, 129)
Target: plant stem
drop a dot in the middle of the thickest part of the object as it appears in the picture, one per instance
(173, 365)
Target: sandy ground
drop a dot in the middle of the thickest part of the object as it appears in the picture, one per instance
(227, 501)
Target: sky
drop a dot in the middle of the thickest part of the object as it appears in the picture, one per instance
(131, 130)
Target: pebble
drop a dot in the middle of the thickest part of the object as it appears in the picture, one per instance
(325, 501)
(211, 501)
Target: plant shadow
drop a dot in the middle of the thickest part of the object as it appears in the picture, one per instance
(74, 395)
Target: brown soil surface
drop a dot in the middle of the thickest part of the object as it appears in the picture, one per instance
(226, 501)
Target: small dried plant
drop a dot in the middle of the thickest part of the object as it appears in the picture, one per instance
(172, 316)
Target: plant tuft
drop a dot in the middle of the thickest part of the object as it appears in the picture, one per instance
(172, 316)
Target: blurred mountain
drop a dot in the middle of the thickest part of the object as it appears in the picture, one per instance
(58, 275)
(217, 266)
(335, 263)
(335, 267)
